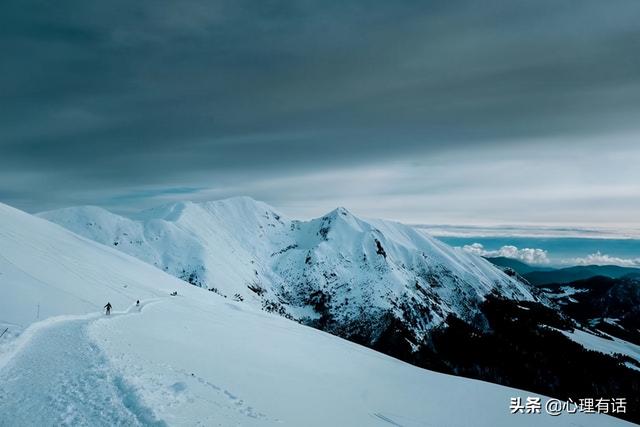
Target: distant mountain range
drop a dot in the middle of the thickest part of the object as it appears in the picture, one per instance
(610, 305)
(518, 266)
(540, 276)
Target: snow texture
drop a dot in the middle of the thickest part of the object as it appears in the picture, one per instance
(612, 345)
(196, 359)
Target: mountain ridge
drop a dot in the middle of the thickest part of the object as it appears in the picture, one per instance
(500, 343)
(339, 272)
(542, 276)
(171, 360)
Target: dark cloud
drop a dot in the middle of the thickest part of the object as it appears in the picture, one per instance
(120, 100)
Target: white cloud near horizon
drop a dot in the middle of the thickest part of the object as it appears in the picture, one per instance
(536, 256)
(527, 255)
(599, 258)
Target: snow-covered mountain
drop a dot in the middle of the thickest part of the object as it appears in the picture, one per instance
(197, 358)
(346, 275)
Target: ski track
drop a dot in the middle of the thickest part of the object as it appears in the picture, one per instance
(60, 377)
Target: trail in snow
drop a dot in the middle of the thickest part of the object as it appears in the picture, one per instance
(199, 359)
(60, 377)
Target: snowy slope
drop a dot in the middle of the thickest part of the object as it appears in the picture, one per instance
(344, 274)
(196, 359)
(46, 271)
(608, 345)
(214, 243)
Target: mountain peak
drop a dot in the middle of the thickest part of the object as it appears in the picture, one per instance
(340, 212)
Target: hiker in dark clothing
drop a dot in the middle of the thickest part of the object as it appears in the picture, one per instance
(138, 303)
(108, 307)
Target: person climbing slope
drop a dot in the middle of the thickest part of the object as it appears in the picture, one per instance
(108, 308)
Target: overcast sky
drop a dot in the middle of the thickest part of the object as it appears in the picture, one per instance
(464, 112)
